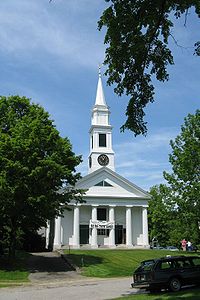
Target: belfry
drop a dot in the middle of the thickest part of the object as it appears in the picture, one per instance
(115, 210)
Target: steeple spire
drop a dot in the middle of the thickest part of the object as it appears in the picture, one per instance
(101, 152)
(100, 99)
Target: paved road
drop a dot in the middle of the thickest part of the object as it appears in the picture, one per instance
(92, 289)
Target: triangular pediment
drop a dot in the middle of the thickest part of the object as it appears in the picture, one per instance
(106, 183)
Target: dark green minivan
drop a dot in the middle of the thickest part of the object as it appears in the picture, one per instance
(170, 272)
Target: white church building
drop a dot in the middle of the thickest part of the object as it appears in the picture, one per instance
(115, 210)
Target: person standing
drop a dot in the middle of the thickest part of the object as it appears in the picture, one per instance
(189, 246)
(184, 244)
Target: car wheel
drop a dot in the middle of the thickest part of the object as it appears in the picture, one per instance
(175, 285)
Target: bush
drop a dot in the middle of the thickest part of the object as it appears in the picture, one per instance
(33, 242)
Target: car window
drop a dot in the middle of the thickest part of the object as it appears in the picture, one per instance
(146, 265)
(196, 261)
(183, 263)
(166, 265)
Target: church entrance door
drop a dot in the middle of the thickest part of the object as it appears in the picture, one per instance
(118, 234)
(84, 234)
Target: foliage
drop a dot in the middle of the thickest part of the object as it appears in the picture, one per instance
(35, 162)
(184, 179)
(174, 210)
(160, 214)
(33, 241)
(138, 36)
(166, 223)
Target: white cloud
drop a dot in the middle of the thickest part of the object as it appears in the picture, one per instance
(147, 144)
(35, 28)
(143, 160)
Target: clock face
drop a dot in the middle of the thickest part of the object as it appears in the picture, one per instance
(103, 160)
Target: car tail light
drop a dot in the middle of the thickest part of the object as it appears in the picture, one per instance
(142, 277)
(139, 278)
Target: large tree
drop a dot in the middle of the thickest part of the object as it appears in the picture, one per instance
(35, 163)
(185, 177)
(160, 214)
(166, 221)
(137, 35)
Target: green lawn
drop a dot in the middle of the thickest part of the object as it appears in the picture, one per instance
(189, 294)
(13, 273)
(112, 263)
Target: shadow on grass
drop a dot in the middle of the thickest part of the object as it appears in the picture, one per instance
(18, 264)
(83, 260)
(39, 263)
(36, 262)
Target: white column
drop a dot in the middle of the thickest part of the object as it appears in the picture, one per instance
(129, 226)
(112, 231)
(57, 237)
(94, 229)
(145, 226)
(76, 230)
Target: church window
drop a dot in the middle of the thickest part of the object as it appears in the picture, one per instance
(103, 183)
(92, 141)
(102, 140)
(90, 161)
(101, 214)
(99, 183)
(106, 183)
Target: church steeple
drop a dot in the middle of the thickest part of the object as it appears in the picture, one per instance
(100, 99)
(101, 153)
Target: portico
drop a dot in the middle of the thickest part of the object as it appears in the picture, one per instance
(111, 232)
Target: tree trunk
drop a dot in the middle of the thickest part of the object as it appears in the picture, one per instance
(12, 245)
(51, 234)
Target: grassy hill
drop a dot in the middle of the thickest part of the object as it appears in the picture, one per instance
(112, 263)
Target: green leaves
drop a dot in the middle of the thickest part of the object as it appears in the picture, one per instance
(174, 210)
(185, 158)
(185, 178)
(137, 50)
(161, 213)
(197, 48)
(34, 163)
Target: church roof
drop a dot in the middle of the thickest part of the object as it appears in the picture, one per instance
(106, 183)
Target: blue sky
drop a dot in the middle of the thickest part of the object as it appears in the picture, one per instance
(51, 52)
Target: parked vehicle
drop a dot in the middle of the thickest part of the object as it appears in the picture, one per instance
(194, 248)
(170, 272)
(172, 248)
(158, 248)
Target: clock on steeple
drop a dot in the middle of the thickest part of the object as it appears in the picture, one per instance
(103, 160)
